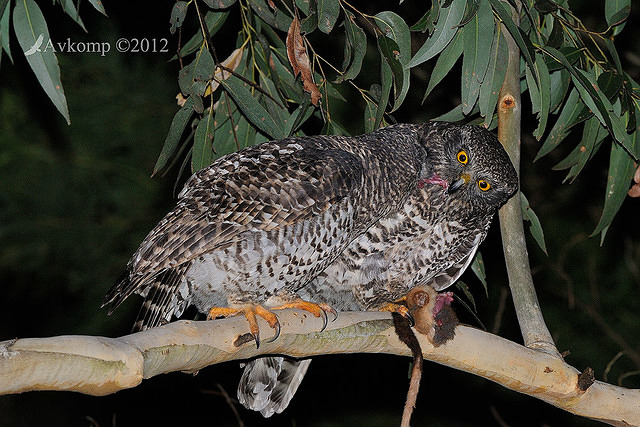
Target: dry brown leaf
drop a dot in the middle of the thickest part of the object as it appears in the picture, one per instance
(297, 53)
(231, 63)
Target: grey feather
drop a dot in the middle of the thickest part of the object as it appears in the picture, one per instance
(268, 383)
(354, 222)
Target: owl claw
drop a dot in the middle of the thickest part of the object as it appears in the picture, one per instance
(318, 310)
(400, 309)
(250, 312)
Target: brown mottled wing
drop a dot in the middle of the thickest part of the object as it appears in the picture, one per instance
(260, 188)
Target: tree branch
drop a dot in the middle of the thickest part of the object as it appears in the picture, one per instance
(532, 325)
(100, 366)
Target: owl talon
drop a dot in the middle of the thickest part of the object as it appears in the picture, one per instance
(400, 309)
(250, 312)
(318, 310)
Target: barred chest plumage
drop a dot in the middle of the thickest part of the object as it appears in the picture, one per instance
(424, 243)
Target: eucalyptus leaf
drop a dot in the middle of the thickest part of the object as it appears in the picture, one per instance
(219, 4)
(544, 94)
(496, 71)
(97, 4)
(327, 12)
(535, 227)
(4, 30)
(621, 171)
(446, 60)
(69, 8)
(444, 31)
(251, 108)
(477, 266)
(386, 79)
(176, 129)
(355, 46)
(394, 27)
(523, 41)
(615, 13)
(573, 112)
(178, 13)
(477, 35)
(275, 18)
(202, 153)
(214, 21)
(33, 35)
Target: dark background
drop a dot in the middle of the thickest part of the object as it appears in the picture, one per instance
(76, 201)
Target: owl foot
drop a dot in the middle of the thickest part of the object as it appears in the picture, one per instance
(250, 311)
(318, 310)
(402, 310)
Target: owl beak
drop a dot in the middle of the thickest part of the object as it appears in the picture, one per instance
(455, 185)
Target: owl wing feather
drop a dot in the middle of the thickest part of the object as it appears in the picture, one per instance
(261, 188)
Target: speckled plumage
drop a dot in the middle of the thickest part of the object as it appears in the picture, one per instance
(351, 221)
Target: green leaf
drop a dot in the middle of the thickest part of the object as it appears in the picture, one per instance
(544, 95)
(226, 119)
(69, 8)
(595, 99)
(496, 70)
(251, 108)
(388, 50)
(369, 117)
(428, 21)
(446, 60)
(276, 19)
(214, 21)
(357, 45)
(592, 136)
(444, 31)
(573, 112)
(33, 35)
(467, 293)
(219, 4)
(477, 35)
(386, 79)
(4, 30)
(616, 12)
(328, 12)
(621, 171)
(202, 153)
(598, 102)
(504, 13)
(304, 6)
(97, 4)
(477, 266)
(394, 27)
(560, 80)
(178, 124)
(535, 227)
(178, 12)
(299, 116)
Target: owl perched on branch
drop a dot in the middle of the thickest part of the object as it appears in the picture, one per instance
(320, 223)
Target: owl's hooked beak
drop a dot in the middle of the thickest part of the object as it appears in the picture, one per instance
(455, 185)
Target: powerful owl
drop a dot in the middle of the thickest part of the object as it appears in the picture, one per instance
(320, 223)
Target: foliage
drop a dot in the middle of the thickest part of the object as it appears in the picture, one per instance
(571, 74)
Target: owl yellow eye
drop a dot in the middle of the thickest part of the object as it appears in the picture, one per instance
(483, 185)
(462, 157)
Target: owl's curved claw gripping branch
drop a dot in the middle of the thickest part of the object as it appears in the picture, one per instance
(401, 309)
(317, 309)
(250, 311)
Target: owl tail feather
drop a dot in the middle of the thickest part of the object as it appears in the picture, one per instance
(268, 383)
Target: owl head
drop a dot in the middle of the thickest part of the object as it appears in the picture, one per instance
(471, 165)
